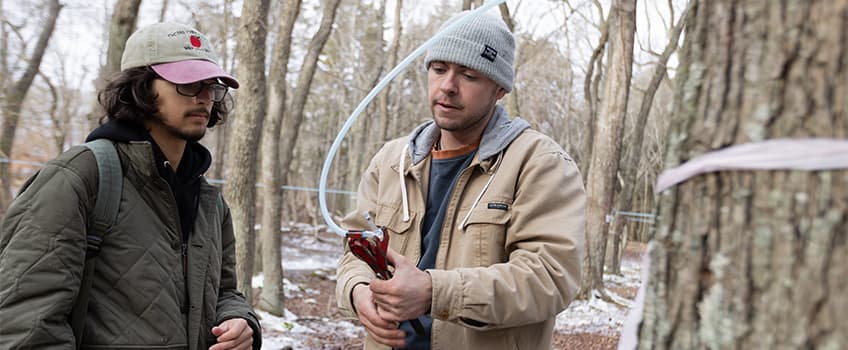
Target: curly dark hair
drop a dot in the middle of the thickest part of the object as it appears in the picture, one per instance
(129, 97)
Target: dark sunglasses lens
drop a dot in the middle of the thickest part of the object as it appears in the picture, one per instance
(218, 92)
(190, 89)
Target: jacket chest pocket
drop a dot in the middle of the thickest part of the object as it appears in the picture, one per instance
(391, 219)
(485, 234)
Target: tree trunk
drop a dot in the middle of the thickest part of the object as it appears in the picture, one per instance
(754, 259)
(383, 99)
(4, 53)
(631, 165)
(123, 22)
(512, 105)
(58, 120)
(471, 4)
(291, 124)
(272, 297)
(590, 94)
(163, 10)
(122, 26)
(15, 98)
(607, 144)
(221, 133)
(240, 190)
(369, 67)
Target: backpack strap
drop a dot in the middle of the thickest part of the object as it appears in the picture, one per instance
(109, 188)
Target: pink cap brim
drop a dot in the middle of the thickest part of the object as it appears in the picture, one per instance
(190, 71)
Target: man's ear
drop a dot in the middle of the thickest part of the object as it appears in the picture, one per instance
(501, 93)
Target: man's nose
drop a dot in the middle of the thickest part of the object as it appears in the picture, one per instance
(204, 96)
(448, 84)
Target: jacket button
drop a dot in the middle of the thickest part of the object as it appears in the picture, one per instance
(444, 314)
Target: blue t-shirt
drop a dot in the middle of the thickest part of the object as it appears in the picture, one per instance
(443, 176)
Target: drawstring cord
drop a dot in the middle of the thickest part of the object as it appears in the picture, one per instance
(480, 196)
(405, 200)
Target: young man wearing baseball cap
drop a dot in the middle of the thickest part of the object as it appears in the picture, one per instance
(485, 215)
(165, 275)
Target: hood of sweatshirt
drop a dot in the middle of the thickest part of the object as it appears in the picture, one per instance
(499, 133)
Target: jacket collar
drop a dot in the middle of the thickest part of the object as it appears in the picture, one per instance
(499, 133)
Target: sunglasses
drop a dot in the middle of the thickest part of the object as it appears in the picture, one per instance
(217, 90)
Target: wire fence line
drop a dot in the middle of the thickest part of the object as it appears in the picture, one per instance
(212, 181)
(632, 216)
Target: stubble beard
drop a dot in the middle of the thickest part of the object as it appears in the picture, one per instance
(179, 133)
(460, 124)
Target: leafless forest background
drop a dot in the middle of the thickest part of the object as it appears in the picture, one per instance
(600, 77)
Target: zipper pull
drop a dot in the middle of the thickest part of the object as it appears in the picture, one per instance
(184, 249)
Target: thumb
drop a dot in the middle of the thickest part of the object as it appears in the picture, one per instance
(395, 258)
(219, 329)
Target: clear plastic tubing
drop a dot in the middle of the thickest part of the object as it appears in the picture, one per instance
(325, 171)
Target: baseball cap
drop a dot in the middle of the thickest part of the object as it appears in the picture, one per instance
(178, 53)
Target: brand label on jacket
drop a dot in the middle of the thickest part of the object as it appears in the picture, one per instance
(499, 206)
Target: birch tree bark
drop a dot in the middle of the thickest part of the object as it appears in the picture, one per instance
(240, 190)
(607, 144)
(272, 297)
(754, 259)
(15, 95)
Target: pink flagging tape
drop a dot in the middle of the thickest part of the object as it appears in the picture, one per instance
(778, 154)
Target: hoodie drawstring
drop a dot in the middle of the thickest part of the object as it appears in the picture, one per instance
(480, 196)
(404, 198)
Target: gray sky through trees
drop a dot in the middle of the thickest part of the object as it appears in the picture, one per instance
(81, 37)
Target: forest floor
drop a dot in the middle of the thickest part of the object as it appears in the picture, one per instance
(312, 320)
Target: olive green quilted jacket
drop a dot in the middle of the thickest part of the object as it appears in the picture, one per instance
(145, 294)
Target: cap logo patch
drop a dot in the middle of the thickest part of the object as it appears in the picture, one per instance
(195, 41)
(489, 53)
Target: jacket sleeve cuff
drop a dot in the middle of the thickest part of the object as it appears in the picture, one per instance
(447, 294)
(345, 298)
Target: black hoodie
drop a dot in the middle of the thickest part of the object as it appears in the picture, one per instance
(185, 183)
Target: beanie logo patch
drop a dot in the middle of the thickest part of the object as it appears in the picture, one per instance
(489, 53)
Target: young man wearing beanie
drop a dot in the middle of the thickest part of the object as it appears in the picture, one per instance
(164, 277)
(485, 215)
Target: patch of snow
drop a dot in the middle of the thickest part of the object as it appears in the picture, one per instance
(596, 315)
(295, 259)
(305, 250)
(287, 323)
(291, 290)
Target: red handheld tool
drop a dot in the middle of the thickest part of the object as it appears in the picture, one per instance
(371, 247)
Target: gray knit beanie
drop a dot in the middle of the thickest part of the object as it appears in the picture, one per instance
(484, 44)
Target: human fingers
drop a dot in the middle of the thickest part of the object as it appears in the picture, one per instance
(396, 259)
(233, 334)
(384, 332)
(243, 342)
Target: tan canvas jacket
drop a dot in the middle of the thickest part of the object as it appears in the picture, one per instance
(511, 244)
